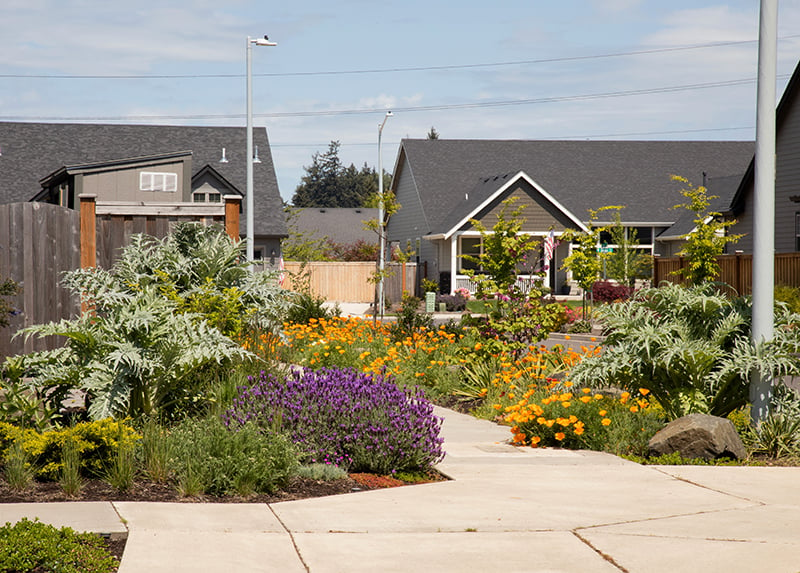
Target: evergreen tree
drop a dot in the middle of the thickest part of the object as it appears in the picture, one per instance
(328, 183)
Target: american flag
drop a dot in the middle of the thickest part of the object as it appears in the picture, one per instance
(549, 248)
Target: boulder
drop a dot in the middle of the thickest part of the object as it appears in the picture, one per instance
(699, 436)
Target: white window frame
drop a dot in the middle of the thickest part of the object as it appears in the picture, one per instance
(162, 182)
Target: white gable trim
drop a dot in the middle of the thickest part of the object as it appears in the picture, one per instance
(503, 189)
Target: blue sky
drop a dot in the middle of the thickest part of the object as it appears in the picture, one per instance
(512, 69)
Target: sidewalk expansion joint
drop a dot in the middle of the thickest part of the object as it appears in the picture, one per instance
(605, 556)
(700, 485)
(122, 520)
(662, 517)
(291, 536)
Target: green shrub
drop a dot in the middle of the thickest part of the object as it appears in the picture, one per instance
(306, 305)
(226, 462)
(790, 296)
(409, 319)
(321, 472)
(96, 443)
(33, 546)
(166, 309)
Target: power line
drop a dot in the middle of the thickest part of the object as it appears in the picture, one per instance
(408, 109)
(560, 137)
(396, 69)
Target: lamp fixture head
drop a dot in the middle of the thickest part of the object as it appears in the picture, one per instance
(263, 41)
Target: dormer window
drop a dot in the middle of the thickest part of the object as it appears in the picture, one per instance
(201, 197)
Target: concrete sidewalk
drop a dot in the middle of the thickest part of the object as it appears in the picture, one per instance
(506, 509)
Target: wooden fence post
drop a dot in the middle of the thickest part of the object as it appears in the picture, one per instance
(88, 230)
(232, 205)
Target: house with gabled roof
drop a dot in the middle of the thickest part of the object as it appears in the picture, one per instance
(441, 185)
(56, 162)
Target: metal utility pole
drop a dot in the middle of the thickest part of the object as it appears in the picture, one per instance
(764, 203)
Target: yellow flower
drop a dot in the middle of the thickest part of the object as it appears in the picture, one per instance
(606, 421)
(586, 399)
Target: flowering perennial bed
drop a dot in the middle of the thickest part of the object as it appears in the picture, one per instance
(353, 420)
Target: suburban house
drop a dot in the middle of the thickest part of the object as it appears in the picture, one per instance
(443, 184)
(57, 162)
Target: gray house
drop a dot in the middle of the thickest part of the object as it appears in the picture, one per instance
(56, 162)
(787, 179)
(443, 184)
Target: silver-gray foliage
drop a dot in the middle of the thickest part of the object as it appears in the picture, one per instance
(690, 347)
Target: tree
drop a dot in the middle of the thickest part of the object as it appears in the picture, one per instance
(505, 250)
(328, 183)
(709, 237)
(584, 261)
(433, 134)
(626, 263)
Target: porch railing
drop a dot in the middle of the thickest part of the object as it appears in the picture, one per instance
(524, 283)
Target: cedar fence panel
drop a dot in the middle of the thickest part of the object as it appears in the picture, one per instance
(349, 281)
(735, 270)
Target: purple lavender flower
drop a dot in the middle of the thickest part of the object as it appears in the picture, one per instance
(340, 416)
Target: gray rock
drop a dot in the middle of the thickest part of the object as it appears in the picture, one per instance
(699, 436)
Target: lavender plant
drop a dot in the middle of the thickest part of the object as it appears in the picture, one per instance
(346, 418)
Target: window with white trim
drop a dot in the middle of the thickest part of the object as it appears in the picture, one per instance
(469, 246)
(157, 181)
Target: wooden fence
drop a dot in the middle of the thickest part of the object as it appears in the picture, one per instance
(38, 242)
(350, 282)
(735, 270)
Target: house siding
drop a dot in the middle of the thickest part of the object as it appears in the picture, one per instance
(787, 184)
(123, 184)
(787, 181)
(539, 214)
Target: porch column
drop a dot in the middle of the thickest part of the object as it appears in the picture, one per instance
(453, 263)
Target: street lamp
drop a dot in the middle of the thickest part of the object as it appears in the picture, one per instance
(249, 190)
(381, 238)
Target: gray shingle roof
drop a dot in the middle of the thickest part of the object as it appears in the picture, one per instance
(721, 190)
(340, 225)
(578, 174)
(30, 151)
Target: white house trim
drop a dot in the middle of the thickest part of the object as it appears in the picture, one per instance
(503, 189)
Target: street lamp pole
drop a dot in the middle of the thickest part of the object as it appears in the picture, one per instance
(249, 190)
(381, 235)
